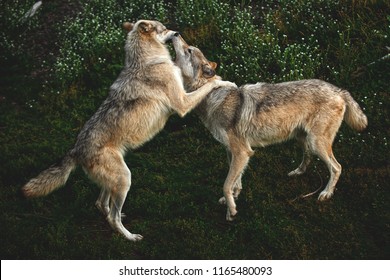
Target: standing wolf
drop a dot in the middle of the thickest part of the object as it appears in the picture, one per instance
(148, 90)
(261, 114)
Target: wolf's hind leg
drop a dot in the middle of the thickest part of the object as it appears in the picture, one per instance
(115, 177)
(118, 196)
(335, 171)
(302, 140)
(236, 191)
(321, 144)
(102, 203)
(303, 166)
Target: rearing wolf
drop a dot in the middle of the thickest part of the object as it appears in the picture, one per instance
(148, 90)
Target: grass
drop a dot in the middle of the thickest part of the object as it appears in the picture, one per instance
(177, 177)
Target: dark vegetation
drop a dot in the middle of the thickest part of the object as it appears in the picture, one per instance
(56, 67)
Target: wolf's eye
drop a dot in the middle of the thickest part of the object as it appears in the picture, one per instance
(189, 51)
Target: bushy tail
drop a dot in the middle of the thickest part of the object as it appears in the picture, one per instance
(354, 115)
(50, 179)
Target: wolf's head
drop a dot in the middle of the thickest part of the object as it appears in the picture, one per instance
(150, 30)
(145, 43)
(196, 69)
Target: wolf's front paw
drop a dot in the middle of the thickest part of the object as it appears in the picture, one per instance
(226, 84)
(222, 200)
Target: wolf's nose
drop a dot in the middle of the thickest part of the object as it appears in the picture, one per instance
(177, 34)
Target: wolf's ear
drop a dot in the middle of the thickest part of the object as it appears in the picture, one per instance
(145, 27)
(208, 70)
(213, 65)
(127, 26)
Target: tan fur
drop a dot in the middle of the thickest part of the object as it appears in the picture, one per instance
(257, 115)
(148, 90)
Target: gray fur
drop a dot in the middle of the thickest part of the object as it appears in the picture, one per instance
(257, 115)
(148, 90)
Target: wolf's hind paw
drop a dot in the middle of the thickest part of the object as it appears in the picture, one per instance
(296, 172)
(325, 195)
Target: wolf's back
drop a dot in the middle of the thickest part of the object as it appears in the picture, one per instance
(50, 179)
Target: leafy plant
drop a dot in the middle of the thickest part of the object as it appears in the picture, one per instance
(14, 27)
(92, 42)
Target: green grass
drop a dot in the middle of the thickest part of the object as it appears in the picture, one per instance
(177, 177)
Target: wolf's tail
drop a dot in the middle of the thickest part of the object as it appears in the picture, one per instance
(50, 179)
(354, 115)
